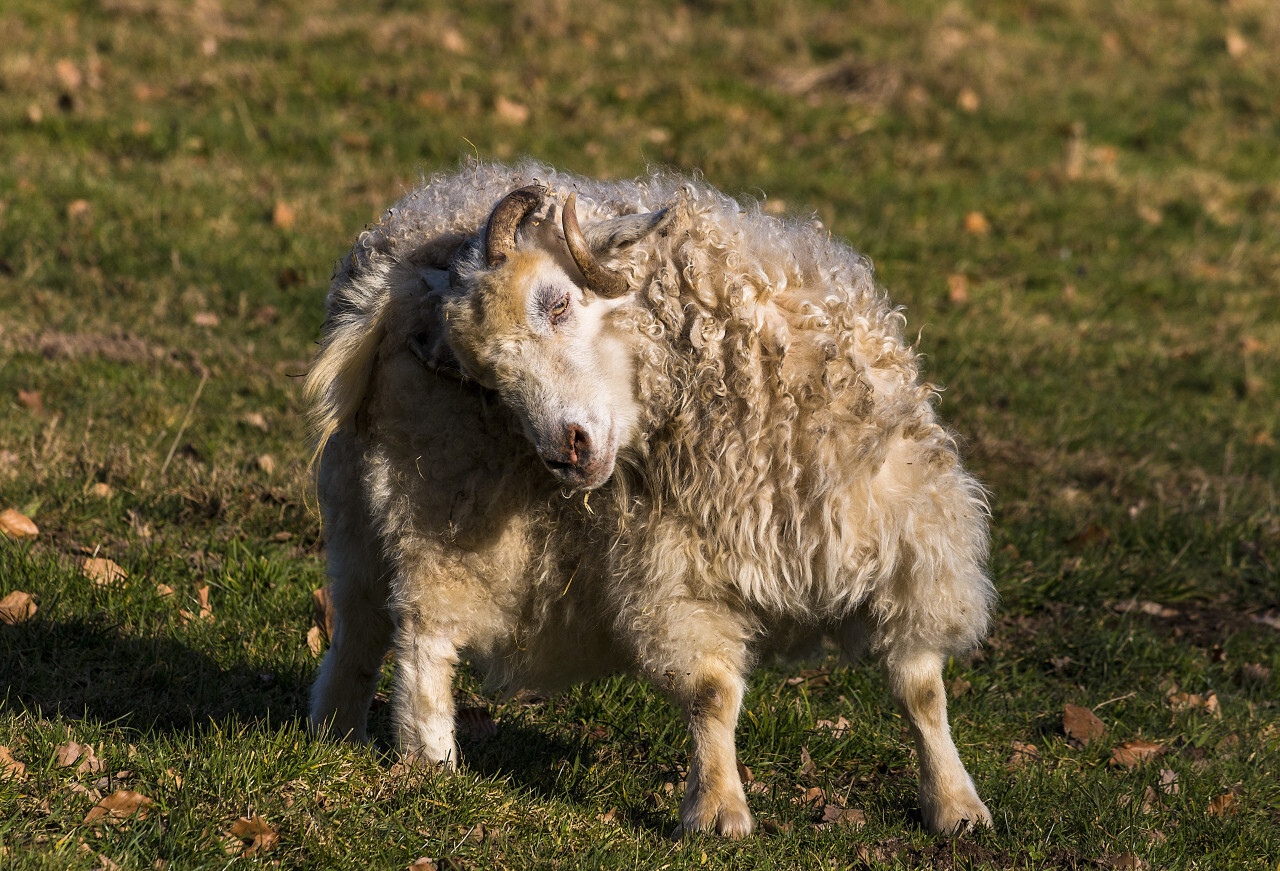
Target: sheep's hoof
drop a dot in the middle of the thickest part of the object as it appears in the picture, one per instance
(958, 817)
(726, 816)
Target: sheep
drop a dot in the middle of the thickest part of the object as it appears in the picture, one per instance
(567, 427)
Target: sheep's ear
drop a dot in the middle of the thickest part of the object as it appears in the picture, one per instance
(613, 236)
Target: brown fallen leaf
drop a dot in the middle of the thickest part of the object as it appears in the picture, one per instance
(1082, 725)
(839, 727)
(1092, 535)
(322, 611)
(15, 524)
(976, 224)
(1223, 805)
(958, 687)
(315, 641)
(807, 768)
(103, 572)
(744, 773)
(814, 677)
(31, 400)
(510, 112)
(476, 722)
(1127, 861)
(256, 420)
(283, 215)
(202, 596)
(249, 837)
(1131, 754)
(773, 828)
(1169, 782)
(121, 804)
(844, 816)
(10, 767)
(957, 288)
(814, 795)
(17, 607)
(1023, 754)
(164, 591)
(608, 817)
(104, 863)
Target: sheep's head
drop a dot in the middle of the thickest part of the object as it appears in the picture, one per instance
(530, 317)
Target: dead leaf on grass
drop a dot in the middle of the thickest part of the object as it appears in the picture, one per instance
(814, 795)
(1255, 672)
(1192, 701)
(510, 112)
(744, 773)
(833, 814)
(322, 611)
(10, 767)
(1082, 725)
(164, 591)
(807, 767)
(121, 804)
(31, 400)
(283, 215)
(839, 727)
(17, 607)
(1023, 754)
(1169, 782)
(72, 752)
(814, 677)
(976, 224)
(104, 573)
(1153, 609)
(249, 837)
(1131, 754)
(15, 524)
(1092, 535)
(1223, 805)
(1127, 861)
(315, 641)
(256, 420)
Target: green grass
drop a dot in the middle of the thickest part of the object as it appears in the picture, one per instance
(1113, 366)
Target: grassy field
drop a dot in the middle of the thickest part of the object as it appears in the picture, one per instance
(1077, 201)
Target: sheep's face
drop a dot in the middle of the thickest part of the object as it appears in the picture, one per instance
(527, 322)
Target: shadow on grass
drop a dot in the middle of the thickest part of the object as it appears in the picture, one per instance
(81, 669)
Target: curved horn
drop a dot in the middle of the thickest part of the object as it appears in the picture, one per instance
(603, 282)
(500, 234)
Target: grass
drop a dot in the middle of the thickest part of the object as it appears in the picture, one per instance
(177, 179)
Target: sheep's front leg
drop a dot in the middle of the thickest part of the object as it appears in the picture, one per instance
(423, 703)
(697, 655)
(948, 800)
(711, 696)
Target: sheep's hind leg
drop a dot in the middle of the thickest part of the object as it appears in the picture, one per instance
(949, 802)
(349, 674)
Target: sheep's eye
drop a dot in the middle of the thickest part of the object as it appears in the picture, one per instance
(559, 309)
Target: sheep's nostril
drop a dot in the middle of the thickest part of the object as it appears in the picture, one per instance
(577, 444)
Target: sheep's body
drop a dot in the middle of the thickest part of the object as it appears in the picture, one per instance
(780, 474)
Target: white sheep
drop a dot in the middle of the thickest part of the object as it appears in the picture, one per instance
(672, 439)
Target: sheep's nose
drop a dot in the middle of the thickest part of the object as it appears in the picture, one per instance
(572, 455)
